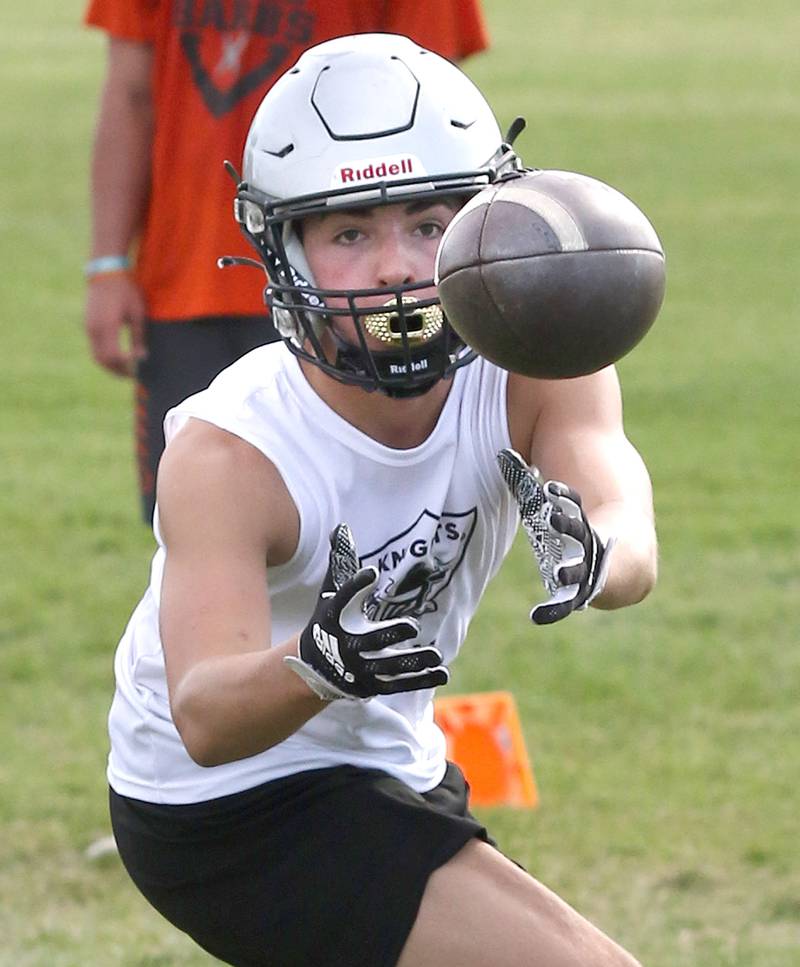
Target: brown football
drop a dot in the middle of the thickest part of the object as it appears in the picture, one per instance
(552, 274)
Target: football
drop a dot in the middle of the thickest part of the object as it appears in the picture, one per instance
(551, 274)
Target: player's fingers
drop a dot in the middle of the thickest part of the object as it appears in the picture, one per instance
(522, 481)
(548, 614)
(343, 558)
(573, 550)
(412, 681)
(570, 526)
(354, 619)
(383, 637)
(396, 660)
(108, 353)
(509, 459)
(354, 590)
(571, 574)
(561, 604)
(115, 303)
(562, 496)
(351, 604)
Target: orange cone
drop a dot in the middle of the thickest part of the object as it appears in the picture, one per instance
(484, 738)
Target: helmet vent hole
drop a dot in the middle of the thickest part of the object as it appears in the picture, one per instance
(286, 149)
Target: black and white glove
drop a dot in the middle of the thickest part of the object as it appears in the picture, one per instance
(572, 560)
(343, 653)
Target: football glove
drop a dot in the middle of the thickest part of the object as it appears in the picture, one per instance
(572, 560)
(343, 654)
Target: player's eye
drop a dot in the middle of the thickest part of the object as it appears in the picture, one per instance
(348, 236)
(430, 230)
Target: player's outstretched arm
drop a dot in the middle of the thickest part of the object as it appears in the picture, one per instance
(597, 499)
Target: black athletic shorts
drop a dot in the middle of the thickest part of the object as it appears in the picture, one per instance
(182, 358)
(325, 868)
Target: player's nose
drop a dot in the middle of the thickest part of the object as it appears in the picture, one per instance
(395, 262)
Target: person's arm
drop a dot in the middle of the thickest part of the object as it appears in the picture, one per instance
(572, 430)
(224, 514)
(120, 180)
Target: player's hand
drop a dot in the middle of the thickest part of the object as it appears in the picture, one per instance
(572, 560)
(344, 654)
(114, 303)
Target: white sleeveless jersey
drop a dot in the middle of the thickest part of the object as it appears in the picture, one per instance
(436, 520)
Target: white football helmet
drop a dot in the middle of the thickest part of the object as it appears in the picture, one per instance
(361, 121)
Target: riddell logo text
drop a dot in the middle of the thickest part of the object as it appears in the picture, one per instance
(390, 168)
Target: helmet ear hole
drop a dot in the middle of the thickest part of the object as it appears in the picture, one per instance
(285, 323)
(254, 218)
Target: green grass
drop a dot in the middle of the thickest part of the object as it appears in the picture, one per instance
(664, 738)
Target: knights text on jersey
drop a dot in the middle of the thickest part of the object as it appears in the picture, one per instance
(436, 520)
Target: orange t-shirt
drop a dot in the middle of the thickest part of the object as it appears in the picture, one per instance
(214, 60)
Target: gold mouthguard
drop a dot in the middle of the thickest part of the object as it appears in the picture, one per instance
(421, 324)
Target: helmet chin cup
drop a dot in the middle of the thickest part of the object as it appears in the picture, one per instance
(398, 373)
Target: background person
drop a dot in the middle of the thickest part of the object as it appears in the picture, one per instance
(183, 80)
(279, 788)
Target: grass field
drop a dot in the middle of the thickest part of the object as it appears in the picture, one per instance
(664, 738)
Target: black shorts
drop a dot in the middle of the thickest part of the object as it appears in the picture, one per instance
(325, 868)
(182, 358)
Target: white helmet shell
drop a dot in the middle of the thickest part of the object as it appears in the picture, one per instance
(363, 109)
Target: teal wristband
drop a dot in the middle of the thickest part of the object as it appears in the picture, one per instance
(105, 264)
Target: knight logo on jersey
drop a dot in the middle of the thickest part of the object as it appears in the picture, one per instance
(418, 564)
(390, 168)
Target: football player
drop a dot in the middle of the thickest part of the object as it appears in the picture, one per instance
(329, 514)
